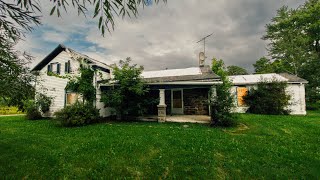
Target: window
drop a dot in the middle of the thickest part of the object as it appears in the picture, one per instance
(54, 67)
(241, 92)
(71, 98)
(67, 67)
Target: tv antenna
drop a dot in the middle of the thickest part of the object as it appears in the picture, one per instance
(204, 43)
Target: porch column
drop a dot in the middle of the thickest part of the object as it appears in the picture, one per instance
(162, 107)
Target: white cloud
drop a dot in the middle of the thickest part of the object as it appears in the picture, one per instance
(57, 37)
(165, 35)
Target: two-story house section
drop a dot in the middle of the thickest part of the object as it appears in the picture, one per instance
(63, 62)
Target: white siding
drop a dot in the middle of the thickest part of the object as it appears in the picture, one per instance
(53, 86)
(104, 111)
(297, 102)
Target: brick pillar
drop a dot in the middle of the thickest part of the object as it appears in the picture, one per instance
(162, 107)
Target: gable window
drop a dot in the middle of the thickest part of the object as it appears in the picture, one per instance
(241, 93)
(54, 68)
(67, 67)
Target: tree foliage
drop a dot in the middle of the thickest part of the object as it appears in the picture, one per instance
(15, 77)
(294, 36)
(126, 97)
(236, 70)
(83, 85)
(264, 65)
(270, 97)
(222, 102)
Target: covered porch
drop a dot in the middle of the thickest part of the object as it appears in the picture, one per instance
(189, 103)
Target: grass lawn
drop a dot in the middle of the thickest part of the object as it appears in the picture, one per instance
(264, 147)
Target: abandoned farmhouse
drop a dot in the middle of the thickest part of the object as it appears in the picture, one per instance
(180, 91)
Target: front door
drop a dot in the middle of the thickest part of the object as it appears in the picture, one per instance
(177, 101)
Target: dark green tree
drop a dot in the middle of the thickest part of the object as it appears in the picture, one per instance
(294, 36)
(15, 77)
(264, 65)
(221, 102)
(126, 97)
(236, 70)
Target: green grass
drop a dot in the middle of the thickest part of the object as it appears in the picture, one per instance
(262, 147)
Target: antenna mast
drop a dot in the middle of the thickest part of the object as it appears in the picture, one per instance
(204, 43)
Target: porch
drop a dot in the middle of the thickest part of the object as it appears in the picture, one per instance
(203, 119)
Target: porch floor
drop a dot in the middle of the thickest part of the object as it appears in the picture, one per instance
(180, 118)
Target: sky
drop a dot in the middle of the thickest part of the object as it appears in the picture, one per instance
(164, 35)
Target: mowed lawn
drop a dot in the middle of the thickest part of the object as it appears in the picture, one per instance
(261, 147)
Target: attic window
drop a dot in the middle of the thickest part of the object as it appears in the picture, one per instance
(67, 67)
(54, 68)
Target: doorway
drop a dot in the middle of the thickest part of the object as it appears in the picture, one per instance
(177, 101)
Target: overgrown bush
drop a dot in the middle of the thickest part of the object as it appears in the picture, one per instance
(32, 110)
(127, 96)
(35, 108)
(78, 114)
(269, 98)
(44, 102)
(222, 101)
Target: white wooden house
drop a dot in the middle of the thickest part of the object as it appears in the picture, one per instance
(181, 91)
(63, 61)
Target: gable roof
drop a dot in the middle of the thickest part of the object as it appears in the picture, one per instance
(293, 78)
(256, 78)
(57, 51)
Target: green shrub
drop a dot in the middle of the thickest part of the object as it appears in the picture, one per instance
(269, 98)
(222, 101)
(78, 114)
(43, 102)
(127, 96)
(32, 110)
(313, 106)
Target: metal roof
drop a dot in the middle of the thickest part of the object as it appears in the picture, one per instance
(172, 72)
(199, 74)
(256, 78)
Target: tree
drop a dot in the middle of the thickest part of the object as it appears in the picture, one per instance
(294, 36)
(21, 15)
(15, 77)
(127, 95)
(222, 101)
(236, 70)
(264, 65)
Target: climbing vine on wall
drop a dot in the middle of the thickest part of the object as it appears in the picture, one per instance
(83, 85)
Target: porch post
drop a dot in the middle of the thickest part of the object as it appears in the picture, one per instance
(162, 107)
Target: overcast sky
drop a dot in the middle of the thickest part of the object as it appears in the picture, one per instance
(165, 35)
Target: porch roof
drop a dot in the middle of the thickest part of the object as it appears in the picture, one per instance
(194, 75)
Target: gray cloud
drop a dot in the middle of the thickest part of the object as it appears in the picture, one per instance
(165, 35)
